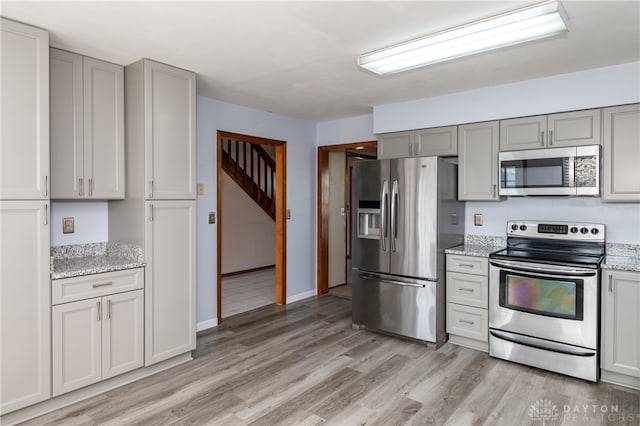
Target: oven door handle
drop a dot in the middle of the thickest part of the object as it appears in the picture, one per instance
(549, 270)
(545, 345)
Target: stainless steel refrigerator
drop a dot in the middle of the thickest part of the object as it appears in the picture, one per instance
(405, 212)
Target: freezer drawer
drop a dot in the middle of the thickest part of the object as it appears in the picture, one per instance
(393, 304)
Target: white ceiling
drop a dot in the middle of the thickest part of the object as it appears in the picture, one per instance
(299, 58)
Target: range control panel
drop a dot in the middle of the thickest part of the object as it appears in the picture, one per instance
(572, 231)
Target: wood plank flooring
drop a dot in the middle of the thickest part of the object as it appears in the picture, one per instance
(303, 364)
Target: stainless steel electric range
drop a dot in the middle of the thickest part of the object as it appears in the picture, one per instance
(544, 307)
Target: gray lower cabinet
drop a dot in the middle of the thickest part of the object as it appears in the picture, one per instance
(170, 250)
(620, 358)
(100, 337)
(25, 304)
(468, 301)
(87, 127)
(574, 128)
(621, 153)
(478, 161)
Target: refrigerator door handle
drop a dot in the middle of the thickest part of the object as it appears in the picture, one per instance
(371, 277)
(384, 197)
(394, 216)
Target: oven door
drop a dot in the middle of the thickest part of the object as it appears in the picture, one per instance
(557, 303)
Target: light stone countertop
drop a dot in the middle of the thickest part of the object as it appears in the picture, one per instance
(478, 245)
(87, 259)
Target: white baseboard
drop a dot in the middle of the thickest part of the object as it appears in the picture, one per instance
(204, 325)
(301, 296)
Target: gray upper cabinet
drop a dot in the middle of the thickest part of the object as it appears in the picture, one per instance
(170, 133)
(574, 128)
(438, 141)
(478, 161)
(87, 127)
(395, 145)
(24, 140)
(621, 153)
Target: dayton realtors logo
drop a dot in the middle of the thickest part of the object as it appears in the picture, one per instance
(544, 410)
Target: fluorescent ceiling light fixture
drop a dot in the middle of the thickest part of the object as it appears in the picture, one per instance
(519, 26)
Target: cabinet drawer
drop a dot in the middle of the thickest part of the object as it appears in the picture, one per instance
(468, 322)
(79, 288)
(467, 264)
(466, 289)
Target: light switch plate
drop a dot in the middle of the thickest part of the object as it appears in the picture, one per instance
(288, 214)
(477, 219)
(68, 225)
(212, 218)
(200, 188)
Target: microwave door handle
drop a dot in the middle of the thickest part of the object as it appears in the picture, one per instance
(572, 172)
(384, 198)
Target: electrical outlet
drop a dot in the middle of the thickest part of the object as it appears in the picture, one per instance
(200, 188)
(477, 219)
(212, 218)
(68, 225)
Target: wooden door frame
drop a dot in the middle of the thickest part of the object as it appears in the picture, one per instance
(323, 209)
(281, 212)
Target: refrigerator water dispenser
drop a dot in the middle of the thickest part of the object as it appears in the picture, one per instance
(369, 219)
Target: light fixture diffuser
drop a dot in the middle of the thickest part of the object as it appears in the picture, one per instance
(519, 26)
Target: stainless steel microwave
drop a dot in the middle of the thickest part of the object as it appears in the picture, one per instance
(553, 171)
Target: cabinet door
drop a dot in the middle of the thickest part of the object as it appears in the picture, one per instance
(395, 145)
(67, 174)
(574, 128)
(122, 333)
(620, 319)
(523, 133)
(103, 129)
(24, 140)
(441, 141)
(169, 248)
(170, 116)
(621, 153)
(478, 161)
(77, 344)
(25, 305)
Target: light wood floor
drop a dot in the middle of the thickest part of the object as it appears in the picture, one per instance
(304, 364)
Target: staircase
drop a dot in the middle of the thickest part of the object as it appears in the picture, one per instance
(253, 169)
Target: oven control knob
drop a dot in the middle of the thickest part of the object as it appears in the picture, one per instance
(514, 227)
(523, 227)
(574, 230)
(594, 231)
(584, 230)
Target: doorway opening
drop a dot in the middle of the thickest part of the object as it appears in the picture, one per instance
(262, 176)
(334, 213)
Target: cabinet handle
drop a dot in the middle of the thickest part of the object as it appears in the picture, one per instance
(45, 187)
(542, 138)
(470, 290)
(493, 191)
(109, 309)
(151, 189)
(81, 187)
(465, 265)
(410, 149)
(610, 284)
(99, 311)
(46, 214)
(150, 212)
(102, 284)
(550, 137)
(466, 322)
(90, 187)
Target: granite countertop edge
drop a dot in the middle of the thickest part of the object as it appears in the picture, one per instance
(621, 263)
(90, 269)
(473, 250)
